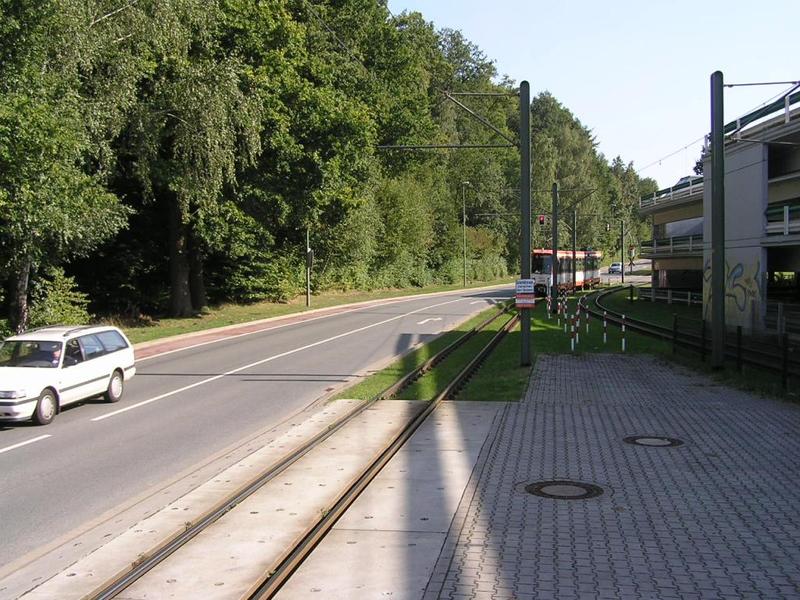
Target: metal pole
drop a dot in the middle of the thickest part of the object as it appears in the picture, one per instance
(525, 207)
(308, 268)
(554, 257)
(717, 223)
(574, 244)
(464, 185)
(622, 249)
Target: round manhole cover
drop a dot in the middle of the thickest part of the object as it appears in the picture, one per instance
(654, 441)
(564, 490)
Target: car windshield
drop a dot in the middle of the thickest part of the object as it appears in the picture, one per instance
(30, 353)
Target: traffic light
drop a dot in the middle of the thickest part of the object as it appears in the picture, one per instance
(541, 220)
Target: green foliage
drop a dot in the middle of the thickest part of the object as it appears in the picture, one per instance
(169, 152)
(276, 278)
(56, 299)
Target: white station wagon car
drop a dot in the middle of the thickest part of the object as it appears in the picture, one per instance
(47, 368)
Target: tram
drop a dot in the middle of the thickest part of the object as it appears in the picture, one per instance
(587, 273)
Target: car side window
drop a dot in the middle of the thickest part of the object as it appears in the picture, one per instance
(92, 348)
(73, 354)
(111, 340)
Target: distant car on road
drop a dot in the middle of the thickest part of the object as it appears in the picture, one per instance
(44, 369)
(615, 268)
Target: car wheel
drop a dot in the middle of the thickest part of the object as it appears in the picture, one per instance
(116, 386)
(46, 407)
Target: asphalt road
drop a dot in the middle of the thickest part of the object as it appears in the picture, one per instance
(187, 405)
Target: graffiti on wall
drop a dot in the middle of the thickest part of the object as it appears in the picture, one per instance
(743, 288)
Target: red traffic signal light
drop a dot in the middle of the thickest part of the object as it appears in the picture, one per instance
(541, 219)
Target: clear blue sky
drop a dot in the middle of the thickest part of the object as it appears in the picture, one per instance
(636, 72)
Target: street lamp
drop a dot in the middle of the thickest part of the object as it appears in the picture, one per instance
(464, 185)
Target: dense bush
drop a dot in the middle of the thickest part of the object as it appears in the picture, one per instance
(55, 299)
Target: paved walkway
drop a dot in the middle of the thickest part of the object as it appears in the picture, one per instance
(716, 517)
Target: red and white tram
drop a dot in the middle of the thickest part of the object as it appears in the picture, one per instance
(587, 272)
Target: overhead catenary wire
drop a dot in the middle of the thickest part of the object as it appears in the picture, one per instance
(671, 154)
(795, 85)
(731, 85)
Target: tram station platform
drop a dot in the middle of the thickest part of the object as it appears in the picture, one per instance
(704, 506)
(656, 482)
(616, 476)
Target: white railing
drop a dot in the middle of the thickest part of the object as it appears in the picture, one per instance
(682, 244)
(789, 222)
(679, 192)
(671, 296)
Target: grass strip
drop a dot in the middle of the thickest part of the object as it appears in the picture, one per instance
(376, 383)
(751, 379)
(502, 378)
(435, 380)
(659, 313)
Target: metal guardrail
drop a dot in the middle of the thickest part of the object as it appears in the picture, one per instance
(783, 317)
(680, 244)
(677, 192)
(775, 354)
(671, 296)
(782, 104)
(695, 184)
(783, 219)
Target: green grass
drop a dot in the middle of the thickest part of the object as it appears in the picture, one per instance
(751, 379)
(659, 313)
(377, 383)
(433, 382)
(232, 314)
(502, 378)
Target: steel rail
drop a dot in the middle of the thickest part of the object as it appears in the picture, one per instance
(141, 567)
(691, 340)
(274, 581)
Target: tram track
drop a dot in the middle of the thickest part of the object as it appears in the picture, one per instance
(278, 578)
(271, 582)
(752, 355)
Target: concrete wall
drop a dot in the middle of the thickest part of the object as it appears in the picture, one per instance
(779, 191)
(745, 258)
(678, 214)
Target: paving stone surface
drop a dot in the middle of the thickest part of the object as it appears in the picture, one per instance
(717, 517)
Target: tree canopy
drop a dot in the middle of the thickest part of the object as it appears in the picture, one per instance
(163, 154)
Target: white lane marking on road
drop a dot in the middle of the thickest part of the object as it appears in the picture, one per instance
(429, 320)
(266, 360)
(36, 439)
(269, 327)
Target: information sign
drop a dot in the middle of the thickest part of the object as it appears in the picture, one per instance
(525, 286)
(525, 293)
